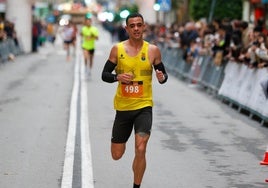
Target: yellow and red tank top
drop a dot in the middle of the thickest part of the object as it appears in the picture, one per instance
(138, 93)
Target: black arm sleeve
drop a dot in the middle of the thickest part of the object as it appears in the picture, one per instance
(107, 75)
(161, 67)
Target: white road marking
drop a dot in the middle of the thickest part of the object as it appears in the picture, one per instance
(67, 177)
(86, 159)
(87, 171)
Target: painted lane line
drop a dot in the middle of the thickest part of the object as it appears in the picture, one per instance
(86, 166)
(67, 177)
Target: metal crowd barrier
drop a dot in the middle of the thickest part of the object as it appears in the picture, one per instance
(230, 81)
(201, 71)
(8, 47)
(242, 87)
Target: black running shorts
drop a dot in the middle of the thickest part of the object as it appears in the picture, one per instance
(91, 52)
(125, 121)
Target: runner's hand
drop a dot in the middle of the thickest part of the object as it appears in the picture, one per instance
(125, 77)
(160, 76)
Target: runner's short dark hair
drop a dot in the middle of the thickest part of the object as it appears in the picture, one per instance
(134, 15)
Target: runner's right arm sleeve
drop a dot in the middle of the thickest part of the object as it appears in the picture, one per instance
(107, 75)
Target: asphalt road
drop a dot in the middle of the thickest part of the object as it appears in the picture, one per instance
(35, 92)
(197, 141)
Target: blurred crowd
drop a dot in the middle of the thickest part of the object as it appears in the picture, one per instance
(8, 31)
(42, 32)
(117, 31)
(224, 40)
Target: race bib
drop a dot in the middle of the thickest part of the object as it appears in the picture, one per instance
(133, 89)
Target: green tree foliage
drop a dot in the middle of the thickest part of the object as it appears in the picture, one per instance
(175, 4)
(130, 7)
(231, 9)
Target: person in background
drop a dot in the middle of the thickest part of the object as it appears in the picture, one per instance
(35, 35)
(2, 31)
(122, 34)
(133, 61)
(89, 35)
(67, 35)
(51, 33)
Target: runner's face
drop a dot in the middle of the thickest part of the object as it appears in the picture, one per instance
(135, 27)
(88, 22)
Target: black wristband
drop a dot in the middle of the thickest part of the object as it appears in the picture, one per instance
(161, 67)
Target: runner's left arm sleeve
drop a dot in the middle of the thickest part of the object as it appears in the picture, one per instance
(161, 67)
(107, 75)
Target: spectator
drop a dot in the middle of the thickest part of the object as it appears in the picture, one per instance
(192, 51)
(261, 51)
(10, 31)
(189, 34)
(35, 35)
(245, 30)
(2, 31)
(51, 33)
(222, 44)
(122, 34)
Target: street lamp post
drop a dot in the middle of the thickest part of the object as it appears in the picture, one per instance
(157, 8)
(212, 7)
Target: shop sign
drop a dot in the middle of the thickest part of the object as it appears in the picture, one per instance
(165, 5)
